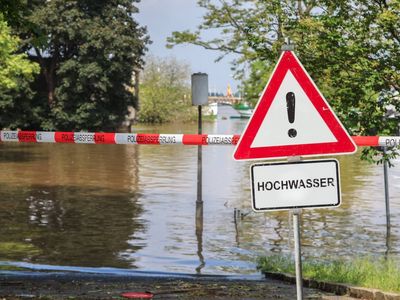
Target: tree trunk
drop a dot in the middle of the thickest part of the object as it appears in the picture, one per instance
(51, 82)
(136, 86)
(50, 87)
(48, 68)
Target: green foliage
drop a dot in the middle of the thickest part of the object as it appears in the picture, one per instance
(257, 80)
(368, 272)
(87, 52)
(13, 11)
(165, 91)
(13, 65)
(379, 155)
(351, 50)
(16, 71)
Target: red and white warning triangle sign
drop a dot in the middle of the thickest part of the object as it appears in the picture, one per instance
(292, 118)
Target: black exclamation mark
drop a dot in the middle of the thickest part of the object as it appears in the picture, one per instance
(290, 105)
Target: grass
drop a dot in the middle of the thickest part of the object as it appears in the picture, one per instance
(17, 248)
(382, 274)
(12, 268)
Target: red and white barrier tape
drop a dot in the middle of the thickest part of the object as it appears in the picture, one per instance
(156, 139)
(117, 138)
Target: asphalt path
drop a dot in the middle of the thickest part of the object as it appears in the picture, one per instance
(70, 285)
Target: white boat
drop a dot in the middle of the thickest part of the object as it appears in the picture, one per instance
(245, 113)
(244, 109)
(211, 109)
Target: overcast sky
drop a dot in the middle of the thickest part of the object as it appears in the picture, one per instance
(162, 17)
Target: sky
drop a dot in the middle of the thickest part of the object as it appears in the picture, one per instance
(162, 17)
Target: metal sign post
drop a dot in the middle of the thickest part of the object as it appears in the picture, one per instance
(199, 162)
(297, 243)
(199, 84)
(387, 201)
(297, 253)
(292, 119)
(294, 185)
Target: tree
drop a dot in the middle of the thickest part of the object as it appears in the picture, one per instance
(350, 48)
(87, 51)
(16, 71)
(13, 11)
(164, 91)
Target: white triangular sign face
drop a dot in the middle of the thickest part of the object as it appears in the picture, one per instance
(308, 123)
(292, 118)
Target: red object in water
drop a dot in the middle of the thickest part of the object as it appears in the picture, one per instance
(137, 295)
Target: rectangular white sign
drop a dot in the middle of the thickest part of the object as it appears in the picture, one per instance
(303, 184)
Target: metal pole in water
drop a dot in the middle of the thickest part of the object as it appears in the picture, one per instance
(199, 205)
(199, 162)
(199, 98)
(297, 253)
(199, 235)
(386, 182)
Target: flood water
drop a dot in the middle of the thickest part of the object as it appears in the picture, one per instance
(133, 207)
